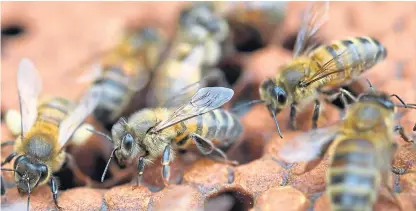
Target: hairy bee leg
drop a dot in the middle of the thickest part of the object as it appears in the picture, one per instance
(316, 114)
(292, 117)
(54, 189)
(7, 143)
(140, 170)
(9, 158)
(402, 134)
(165, 165)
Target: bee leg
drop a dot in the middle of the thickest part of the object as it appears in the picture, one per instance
(206, 147)
(393, 198)
(292, 119)
(140, 170)
(7, 143)
(316, 114)
(9, 158)
(397, 171)
(3, 186)
(165, 163)
(406, 138)
(54, 189)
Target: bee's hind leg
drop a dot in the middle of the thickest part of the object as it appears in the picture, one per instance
(397, 171)
(206, 147)
(165, 164)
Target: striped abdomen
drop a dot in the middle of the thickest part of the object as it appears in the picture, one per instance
(358, 55)
(353, 176)
(219, 126)
(116, 95)
(54, 110)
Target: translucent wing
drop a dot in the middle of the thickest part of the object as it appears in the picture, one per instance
(335, 67)
(29, 85)
(205, 100)
(313, 18)
(86, 105)
(308, 146)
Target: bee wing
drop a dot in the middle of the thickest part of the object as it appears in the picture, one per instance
(86, 105)
(308, 146)
(29, 85)
(313, 18)
(205, 100)
(330, 67)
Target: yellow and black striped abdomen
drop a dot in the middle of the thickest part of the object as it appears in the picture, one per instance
(116, 94)
(353, 177)
(358, 55)
(219, 126)
(54, 110)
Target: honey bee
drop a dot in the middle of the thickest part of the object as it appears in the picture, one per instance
(363, 149)
(150, 133)
(194, 52)
(125, 70)
(301, 80)
(46, 127)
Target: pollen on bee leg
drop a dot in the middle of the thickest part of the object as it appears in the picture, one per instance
(12, 119)
(82, 134)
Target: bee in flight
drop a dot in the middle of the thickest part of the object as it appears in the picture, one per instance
(46, 128)
(150, 133)
(361, 159)
(125, 69)
(300, 81)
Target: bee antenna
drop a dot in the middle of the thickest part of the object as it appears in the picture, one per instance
(108, 163)
(100, 133)
(400, 99)
(253, 102)
(7, 169)
(275, 120)
(28, 197)
(369, 84)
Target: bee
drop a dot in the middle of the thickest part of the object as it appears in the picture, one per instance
(301, 80)
(194, 52)
(363, 149)
(153, 132)
(125, 70)
(46, 128)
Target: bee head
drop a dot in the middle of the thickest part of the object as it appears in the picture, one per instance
(29, 173)
(274, 95)
(380, 98)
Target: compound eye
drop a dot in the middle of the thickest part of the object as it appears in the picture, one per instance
(128, 141)
(281, 95)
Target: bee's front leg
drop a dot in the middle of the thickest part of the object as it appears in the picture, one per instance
(54, 189)
(140, 170)
(165, 165)
(402, 134)
(8, 158)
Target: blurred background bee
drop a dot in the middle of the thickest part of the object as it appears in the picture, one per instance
(362, 154)
(123, 71)
(46, 127)
(151, 133)
(311, 71)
